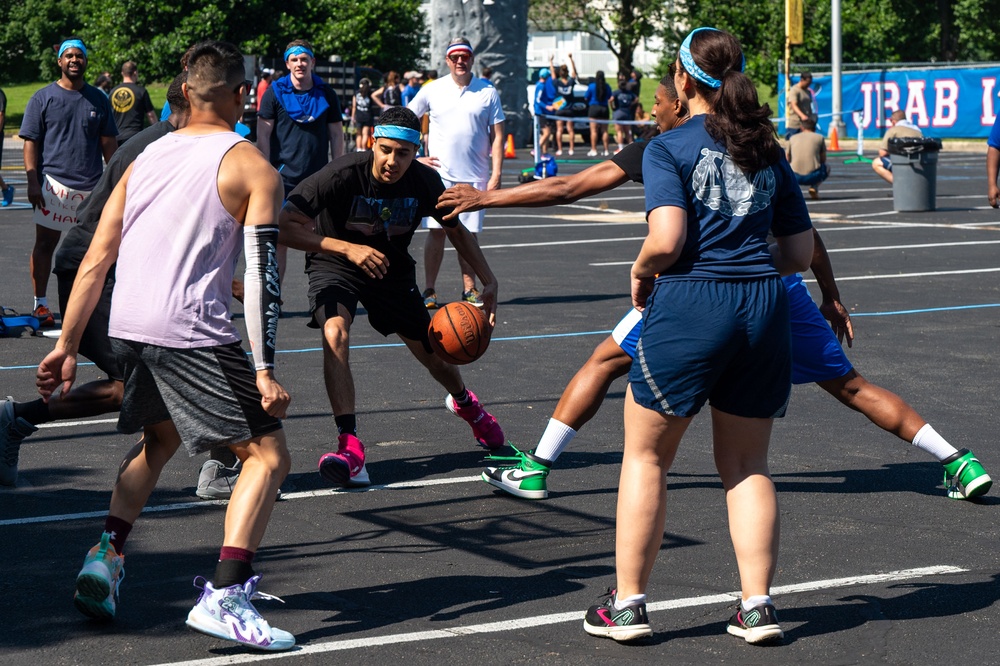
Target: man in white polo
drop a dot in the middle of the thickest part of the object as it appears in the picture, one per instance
(465, 143)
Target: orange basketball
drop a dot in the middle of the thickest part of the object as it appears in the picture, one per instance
(459, 333)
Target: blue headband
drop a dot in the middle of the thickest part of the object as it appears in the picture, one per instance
(397, 132)
(687, 60)
(72, 44)
(295, 50)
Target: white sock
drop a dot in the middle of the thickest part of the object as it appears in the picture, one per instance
(928, 440)
(556, 437)
(756, 600)
(634, 600)
(41, 300)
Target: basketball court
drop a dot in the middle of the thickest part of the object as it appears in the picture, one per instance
(431, 565)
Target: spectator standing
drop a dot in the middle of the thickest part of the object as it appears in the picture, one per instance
(263, 84)
(104, 83)
(565, 102)
(68, 127)
(992, 162)
(545, 95)
(623, 102)
(6, 191)
(800, 105)
(806, 153)
(598, 97)
(487, 75)
(363, 114)
(466, 138)
(390, 94)
(413, 80)
(131, 104)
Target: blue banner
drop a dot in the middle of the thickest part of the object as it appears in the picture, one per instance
(944, 103)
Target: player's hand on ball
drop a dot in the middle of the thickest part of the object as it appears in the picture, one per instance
(371, 261)
(489, 296)
(274, 398)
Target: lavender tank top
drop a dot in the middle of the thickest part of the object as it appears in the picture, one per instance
(179, 247)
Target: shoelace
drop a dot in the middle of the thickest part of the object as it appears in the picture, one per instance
(518, 456)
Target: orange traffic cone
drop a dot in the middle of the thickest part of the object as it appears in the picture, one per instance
(834, 141)
(509, 153)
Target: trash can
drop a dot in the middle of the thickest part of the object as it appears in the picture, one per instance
(914, 173)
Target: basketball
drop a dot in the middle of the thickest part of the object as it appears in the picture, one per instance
(459, 333)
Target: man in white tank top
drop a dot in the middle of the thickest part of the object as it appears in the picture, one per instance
(181, 330)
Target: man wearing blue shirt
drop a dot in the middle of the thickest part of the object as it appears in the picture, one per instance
(993, 163)
(68, 127)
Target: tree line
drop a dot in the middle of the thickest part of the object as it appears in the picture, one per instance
(392, 34)
(385, 34)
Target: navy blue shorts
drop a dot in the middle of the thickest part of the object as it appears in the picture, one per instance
(817, 355)
(724, 342)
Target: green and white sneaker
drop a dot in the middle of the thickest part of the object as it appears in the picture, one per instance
(964, 476)
(525, 479)
(98, 581)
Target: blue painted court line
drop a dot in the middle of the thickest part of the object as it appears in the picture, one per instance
(578, 334)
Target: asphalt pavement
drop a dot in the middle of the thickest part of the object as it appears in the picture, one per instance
(430, 565)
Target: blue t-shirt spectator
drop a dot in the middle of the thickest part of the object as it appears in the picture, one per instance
(591, 98)
(994, 140)
(729, 213)
(545, 94)
(409, 92)
(625, 101)
(68, 125)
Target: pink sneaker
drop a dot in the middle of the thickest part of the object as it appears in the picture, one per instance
(488, 433)
(346, 467)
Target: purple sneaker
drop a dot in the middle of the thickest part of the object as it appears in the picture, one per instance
(488, 433)
(346, 467)
(227, 613)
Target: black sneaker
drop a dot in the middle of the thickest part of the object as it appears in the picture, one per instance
(606, 621)
(757, 625)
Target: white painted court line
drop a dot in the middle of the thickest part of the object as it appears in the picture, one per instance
(70, 424)
(892, 276)
(560, 618)
(202, 504)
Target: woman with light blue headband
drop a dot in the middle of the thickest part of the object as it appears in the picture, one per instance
(715, 330)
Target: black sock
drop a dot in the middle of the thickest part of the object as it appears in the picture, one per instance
(231, 572)
(347, 424)
(224, 455)
(34, 412)
(462, 399)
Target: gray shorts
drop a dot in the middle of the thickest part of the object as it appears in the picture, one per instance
(210, 393)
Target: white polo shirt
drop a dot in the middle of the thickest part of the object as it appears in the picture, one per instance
(460, 123)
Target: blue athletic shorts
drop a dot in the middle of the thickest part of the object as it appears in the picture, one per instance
(724, 342)
(886, 162)
(817, 355)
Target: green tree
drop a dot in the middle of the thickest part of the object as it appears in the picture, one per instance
(30, 29)
(621, 24)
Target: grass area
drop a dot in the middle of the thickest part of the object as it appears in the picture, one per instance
(18, 96)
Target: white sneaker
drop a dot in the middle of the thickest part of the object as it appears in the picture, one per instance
(229, 615)
(592, 153)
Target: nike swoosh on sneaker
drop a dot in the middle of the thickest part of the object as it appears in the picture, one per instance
(518, 475)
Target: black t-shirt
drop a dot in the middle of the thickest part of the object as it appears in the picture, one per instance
(299, 150)
(351, 206)
(629, 160)
(79, 236)
(391, 96)
(3, 110)
(131, 104)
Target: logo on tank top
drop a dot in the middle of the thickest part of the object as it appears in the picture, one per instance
(122, 100)
(721, 186)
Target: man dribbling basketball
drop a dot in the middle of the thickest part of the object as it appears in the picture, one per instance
(367, 206)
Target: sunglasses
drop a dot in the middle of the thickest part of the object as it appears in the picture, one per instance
(459, 57)
(243, 86)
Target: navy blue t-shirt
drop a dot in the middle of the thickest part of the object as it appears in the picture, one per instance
(729, 213)
(299, 150)
(68, 126)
